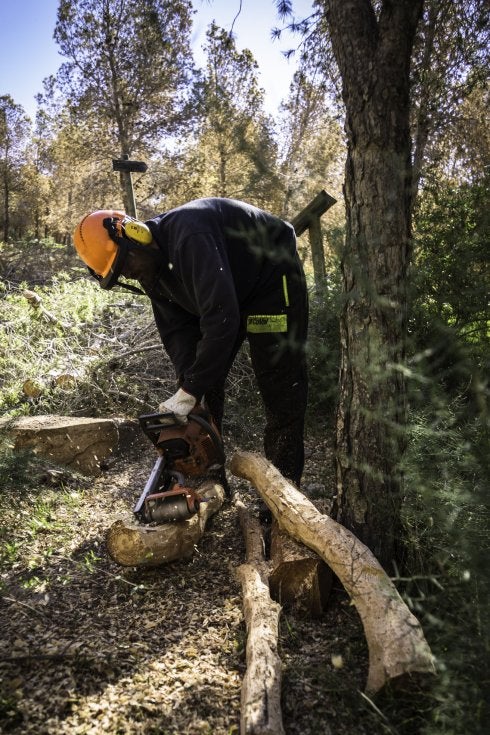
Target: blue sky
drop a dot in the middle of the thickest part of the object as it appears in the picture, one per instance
(28, 53)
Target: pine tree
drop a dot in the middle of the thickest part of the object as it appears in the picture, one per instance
(449, 62)
(236, 148)
(14, 129)
(373, 45)
(312, 150)
(127, 74)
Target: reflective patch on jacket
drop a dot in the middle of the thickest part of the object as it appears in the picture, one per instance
(260, 323)
(285, 290)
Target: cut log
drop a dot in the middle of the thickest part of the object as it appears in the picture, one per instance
(299, 578)
(131, 544)
(260, 711)
(82, 444)
(395, 639)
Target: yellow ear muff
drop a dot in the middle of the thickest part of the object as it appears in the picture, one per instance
(137, 231)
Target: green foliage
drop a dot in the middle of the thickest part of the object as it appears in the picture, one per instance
(106, 77)
(324, 349)
(35, 351)
(63, 357)
(234, 151)
(450, 311)
(28, 505)
(312, 150)
(446, 512)
(445, 579)
(14, 130)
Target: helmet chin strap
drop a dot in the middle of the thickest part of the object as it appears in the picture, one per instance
(117, 282)
(130, 287)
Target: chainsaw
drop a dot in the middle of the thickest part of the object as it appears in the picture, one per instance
(186, 451)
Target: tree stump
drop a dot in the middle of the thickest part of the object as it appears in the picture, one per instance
(82, 444)
(299, 578)
(132, 544)
(395, 639)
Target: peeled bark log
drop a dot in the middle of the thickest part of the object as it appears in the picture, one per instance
(299, 578)
(395, 639)
(260, 712)
(254, 538)
(131, 544)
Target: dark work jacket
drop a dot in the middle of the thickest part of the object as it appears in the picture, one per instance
(220, 260)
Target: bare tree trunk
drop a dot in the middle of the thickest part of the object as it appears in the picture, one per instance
(373, 54)
(6, 205)
(422, 116)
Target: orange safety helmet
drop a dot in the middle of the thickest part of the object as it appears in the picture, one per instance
(102, 240)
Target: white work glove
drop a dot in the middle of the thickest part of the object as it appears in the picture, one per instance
(180, 404)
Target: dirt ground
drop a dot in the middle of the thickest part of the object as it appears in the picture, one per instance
(89, 647)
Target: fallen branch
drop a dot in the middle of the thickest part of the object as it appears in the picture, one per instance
(261, 688)
(135, 351)
(35, 301)
(24, 604)
(396, 642)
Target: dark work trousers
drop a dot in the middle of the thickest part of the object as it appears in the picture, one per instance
(279, 363)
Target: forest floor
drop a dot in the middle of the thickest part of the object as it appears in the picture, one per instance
(90, 647)
(87, 647)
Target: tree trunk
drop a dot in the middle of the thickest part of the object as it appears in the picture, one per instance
(6, 204)
(422, 116)
(396, 642)
(373, 54)
(82, 444)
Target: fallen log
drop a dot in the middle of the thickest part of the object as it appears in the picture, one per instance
(260, 710)
(299, 578)
(395, 639)
(131, 544)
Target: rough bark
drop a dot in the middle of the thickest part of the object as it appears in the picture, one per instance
(131, 544)
(260, 712)
(396, 642)
(373, 53)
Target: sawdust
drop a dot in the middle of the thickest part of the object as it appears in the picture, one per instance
(88, 647)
